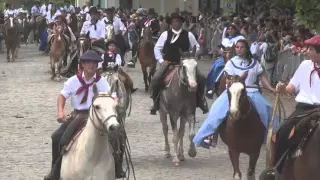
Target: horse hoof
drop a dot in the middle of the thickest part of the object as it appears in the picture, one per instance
(181, 157)
(192, 153)
(176, 164)
(167, 155)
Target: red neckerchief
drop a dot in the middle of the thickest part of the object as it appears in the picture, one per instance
(85, 86)
(316, 69)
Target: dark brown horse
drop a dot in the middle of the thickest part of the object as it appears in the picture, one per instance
(146, 57)
(303, 160)
(73, 23)
(242, 131)
(11, 37)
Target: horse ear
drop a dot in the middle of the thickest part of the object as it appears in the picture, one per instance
(244, 76)
(95, 90)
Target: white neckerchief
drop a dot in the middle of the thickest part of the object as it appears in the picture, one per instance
(176, 35)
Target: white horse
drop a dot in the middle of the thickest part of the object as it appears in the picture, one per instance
(90, 157)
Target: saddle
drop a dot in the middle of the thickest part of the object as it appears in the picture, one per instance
(301, 127)
(169, 74)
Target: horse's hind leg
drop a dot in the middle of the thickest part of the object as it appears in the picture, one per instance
(52, 68)
(165, 129)
(234, 157)
(252, 165)
(8, 54)
(151, 73)
(175, 139)
(192, 122)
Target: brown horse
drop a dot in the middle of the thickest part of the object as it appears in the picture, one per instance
(73, 23)
(57, 53)
(146, 57)
(303, 160)
(11, 36)
(242, 125)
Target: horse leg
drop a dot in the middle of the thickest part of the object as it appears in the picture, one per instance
(192, 122)
(145, 77)
(234, 157)
(151, 73)
(253, 158)
(165, 129)
(181, 135)
(175, 139)
(8, 54)
(13, 52)
(52, 68)
(57, 70)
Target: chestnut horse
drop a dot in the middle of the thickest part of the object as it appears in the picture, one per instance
(11, 37)
(242, 125)
(57, 53)
(146, 57)
(303, 160)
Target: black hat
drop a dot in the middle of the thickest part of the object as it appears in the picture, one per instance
(109, 10)
(176, 16)
(151, 11)
(111, 42)
(36, 2)
(93, 10)
(91, 55)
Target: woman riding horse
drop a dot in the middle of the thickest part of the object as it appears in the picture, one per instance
(242, 64)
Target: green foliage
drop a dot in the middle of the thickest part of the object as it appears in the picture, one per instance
(307, 11)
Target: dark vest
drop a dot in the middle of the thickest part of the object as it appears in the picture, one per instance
(107, 59)
(155, 27)
(171, 51)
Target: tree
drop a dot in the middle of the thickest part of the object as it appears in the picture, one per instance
(307, 11)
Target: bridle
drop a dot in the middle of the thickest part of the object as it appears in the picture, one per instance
(93, 111)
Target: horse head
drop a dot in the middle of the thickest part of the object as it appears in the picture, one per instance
(59, 32)
(103, 114)
(237, 96)
(109, 31)
(187, 72)
(84, 44)
(11, 22)
(147, 34)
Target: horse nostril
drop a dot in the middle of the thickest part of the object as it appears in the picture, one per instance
(113, 128)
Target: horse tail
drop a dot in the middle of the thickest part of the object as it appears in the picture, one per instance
(130, 103)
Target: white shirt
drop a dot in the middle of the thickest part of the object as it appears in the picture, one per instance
(94, 34)
(301, 83)
(51, 18)
(43, 10)
(35, 11)
(88, 17)
(69, 9)
(238, 65)
(254, 48)
(226, 42)
(117, 24)
(162, 39)
(73, 84)
(10, 12)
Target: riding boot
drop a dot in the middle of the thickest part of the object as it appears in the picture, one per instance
(55, 162)
(201, 100)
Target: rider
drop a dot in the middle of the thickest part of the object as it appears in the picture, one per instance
(69, 8)
(170, 43)
(305, 83)
(250, 69)
(153, 23)
(95, 30)
(79, 89)
(10, 11)
(35, 10)
(119, 29)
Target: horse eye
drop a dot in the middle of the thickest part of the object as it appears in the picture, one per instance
(97, 106)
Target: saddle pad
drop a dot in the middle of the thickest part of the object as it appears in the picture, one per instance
(169, 75)
(73, 139)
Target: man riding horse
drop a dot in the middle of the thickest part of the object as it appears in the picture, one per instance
(95, 30)
(289, 140)
(171, 43)
(152, 23)
(119, 29)
(79, 89)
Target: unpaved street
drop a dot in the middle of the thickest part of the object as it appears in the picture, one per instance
(28, 117)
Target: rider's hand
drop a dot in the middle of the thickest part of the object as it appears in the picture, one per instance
(61, 117)
(164, 62)
(281, 87)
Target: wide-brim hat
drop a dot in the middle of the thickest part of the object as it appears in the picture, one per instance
(151, 11)
(91, 55)
(314, 41)
(111, 42)
(176, 16)
(109, 10)
(93, 10)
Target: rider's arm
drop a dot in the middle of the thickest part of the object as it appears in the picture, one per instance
(121, 25)
(61, 104)
(102, 28)
(159, 46)
(193, 42)
(84, 29)
(118, 60)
